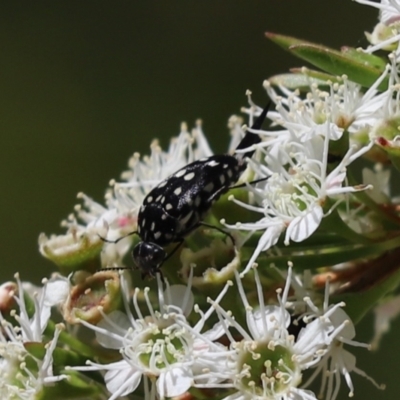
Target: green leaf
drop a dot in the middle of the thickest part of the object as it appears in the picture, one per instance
(61, 357)
(336, 63)
(73, 388)
(36, 349)
(71, 341)
(295, 81)
(310, 258)
(318, 75)
(285, 41)
(318, 256)
(361, 68)
(370, 60)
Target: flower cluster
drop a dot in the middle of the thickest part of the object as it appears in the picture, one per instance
(26, 365)
(250, 304)
(172, 354)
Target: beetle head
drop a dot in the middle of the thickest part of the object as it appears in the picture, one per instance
(148, 257)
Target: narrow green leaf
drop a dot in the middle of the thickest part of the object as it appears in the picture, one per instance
(306, 258)
(370, 60)
(61, 357)
(336, 63)
(319, 256)
(36, 349)
(318, 75)
(295, 81)
(71, 389)
(72, 342)
(285, 41)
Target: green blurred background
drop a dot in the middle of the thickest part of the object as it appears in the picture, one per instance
(84, 84)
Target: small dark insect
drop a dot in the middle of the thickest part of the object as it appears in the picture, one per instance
(178, 205)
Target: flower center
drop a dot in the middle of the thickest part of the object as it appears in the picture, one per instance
(160, 350)
(267, 369)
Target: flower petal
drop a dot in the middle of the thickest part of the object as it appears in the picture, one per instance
(261, 323)
(56, 290)
(304, 226)
(122, 379)
(174, 382)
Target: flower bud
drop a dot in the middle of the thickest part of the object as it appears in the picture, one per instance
(7, 301)
(381, 33)
(214, 264)
(97, 294)
(74, 250)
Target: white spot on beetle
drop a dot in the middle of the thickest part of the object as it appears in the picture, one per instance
(225, 166)
(152, 227)
(162, 184)
(144, 222)
(158, 198)
(162, 200)
(189, 176)
(168, 206)
(222, 179)
(150, 199)
(230, 173)
(164, 217)
(157, 235)
(213, 163)
(181, 173)
(178, 191)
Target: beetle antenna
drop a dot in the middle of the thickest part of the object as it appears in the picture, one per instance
(251, 138)
(115, 268)
(117, 240)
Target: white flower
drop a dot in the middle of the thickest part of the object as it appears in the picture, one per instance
(336, 360)
(267, 364)
(17, 380)
(162, 346)
(293, 199)
(389, 10)
(345, 106)
(31, 328)
(386, 34)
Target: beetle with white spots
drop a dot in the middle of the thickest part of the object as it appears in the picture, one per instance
(178, 205)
